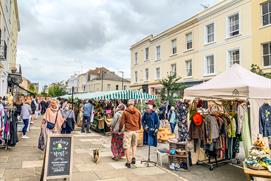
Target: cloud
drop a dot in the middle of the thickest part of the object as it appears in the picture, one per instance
(59, 38)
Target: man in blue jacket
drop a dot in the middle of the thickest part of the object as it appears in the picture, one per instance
(86, 116)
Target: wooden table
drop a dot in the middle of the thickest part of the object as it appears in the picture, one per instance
(250, 173)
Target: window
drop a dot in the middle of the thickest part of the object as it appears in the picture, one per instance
(189, 41)
(136, 78)
(109, 87)
(174, 46)
(117, 87)
(146, 74)
(210, 35)
(146, 54)
(136, 58)
(158, 73)
(173, 69)
(267, 54)
(188, 66)
(158, 52)
(125, 87)
(209, 65)
(234, 57)
(266, 13)
(233, 25)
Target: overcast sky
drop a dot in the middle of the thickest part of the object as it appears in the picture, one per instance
(61, 37)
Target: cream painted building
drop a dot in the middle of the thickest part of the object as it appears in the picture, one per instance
(99, 79)
(197, 49)
(261, 27)
(9, 28)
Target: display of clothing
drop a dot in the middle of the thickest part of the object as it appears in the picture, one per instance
(182, 111)
(217, 135)
(265, 120)
(8, 125)
(151, 124)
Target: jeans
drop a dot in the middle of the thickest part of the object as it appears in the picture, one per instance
(86, 123)
(26, 121)
(172, 127)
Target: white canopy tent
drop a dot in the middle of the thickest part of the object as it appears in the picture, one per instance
(236, 83)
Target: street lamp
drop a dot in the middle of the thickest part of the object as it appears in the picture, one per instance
(101, 72)
(122, 74)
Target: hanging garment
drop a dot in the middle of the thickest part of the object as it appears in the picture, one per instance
(241, 110)
(182, 111)
(246, 136)
(197, 132)
(13, 131)
(265, 120)
(212, 128)
(232, 127)
(151, 124)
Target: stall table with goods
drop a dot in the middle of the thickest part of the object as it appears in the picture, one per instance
(258, 163)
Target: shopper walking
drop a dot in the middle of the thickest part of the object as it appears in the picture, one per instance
(172, 119)
(43, 106)
(53, 119)
(25, 115)
(87, 108)
(33, 109)
(117, 136)
(131, 121)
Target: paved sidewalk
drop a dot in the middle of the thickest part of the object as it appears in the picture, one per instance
(24, 162)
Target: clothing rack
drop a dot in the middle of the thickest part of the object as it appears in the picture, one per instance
(213, 164)
(9, 111)
(213, 160)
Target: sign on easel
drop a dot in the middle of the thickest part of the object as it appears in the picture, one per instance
(58, 157)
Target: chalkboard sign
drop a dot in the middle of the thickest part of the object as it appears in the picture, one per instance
(58, 158)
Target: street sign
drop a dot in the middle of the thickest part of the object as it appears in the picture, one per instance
(58, 157)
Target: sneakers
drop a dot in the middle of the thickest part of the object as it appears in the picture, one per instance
(133, 161)
(128, 165)
(25, 137)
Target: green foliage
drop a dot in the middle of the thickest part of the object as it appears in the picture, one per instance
(43, 94)
(32, 88)
(256, 69)
(56, 90)
(172, 88)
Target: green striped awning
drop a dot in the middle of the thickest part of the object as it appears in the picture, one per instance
(114, 95)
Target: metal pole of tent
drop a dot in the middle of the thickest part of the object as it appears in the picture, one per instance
(72, 96)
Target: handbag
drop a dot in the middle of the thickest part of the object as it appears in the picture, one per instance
(52, 125)
(41, 143)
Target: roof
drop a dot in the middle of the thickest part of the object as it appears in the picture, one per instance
(110, 76)
(98, 70)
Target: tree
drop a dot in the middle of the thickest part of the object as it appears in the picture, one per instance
(32, 88)
(257, 70)
(56, 90)
(172, 88)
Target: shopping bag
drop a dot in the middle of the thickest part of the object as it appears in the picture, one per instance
(41, 143)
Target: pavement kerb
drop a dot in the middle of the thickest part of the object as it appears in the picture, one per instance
(172, 173)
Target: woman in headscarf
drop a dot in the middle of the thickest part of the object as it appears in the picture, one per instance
(117, 137)
(69, 118)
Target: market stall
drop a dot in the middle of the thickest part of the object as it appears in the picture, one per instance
(105, 103)
(238, 91)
